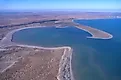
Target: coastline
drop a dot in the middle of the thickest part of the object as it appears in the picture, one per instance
(91, 30)
(65, 68)
(96, 37)
(8, 37)
(6, 41)
(65, 62)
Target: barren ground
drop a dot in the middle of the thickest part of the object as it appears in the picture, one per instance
(39, 64)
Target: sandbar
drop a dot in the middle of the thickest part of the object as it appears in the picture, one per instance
(65, 61)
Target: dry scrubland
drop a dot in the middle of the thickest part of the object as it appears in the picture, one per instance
(36, 63)
(25, 17)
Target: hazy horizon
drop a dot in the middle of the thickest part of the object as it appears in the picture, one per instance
(69, 10)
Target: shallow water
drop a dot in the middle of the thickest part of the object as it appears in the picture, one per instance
(92, 59)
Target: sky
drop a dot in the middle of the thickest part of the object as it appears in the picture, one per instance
(59, 4)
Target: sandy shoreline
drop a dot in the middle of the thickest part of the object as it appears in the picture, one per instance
(63, 73)
(65, 62)
(6, 41)
(91, 30)
(95, 37)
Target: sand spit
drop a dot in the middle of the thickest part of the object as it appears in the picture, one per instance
(65, 70)
(6, 41)
(96, 33)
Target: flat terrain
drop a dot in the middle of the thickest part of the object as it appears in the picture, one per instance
(13, 18)
(36, 64)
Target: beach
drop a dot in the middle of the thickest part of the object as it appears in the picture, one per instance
(63, 66)
(6, 41)
(96, 33)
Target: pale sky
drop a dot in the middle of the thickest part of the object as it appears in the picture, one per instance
(59, 4)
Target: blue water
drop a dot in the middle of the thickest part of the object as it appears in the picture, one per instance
(92, 59)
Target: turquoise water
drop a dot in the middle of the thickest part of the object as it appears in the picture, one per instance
(92, 59)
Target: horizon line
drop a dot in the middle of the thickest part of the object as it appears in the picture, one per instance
(81, 10)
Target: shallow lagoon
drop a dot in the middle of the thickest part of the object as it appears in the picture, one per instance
(93, 59)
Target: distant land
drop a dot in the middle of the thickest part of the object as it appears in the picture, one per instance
(21, 61)
(73, 10)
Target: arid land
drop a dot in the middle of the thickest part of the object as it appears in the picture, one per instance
(30, 63)
(23, 62)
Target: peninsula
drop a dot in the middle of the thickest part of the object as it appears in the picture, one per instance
(55, 61)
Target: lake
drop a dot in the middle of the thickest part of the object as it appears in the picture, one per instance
(93, 59)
